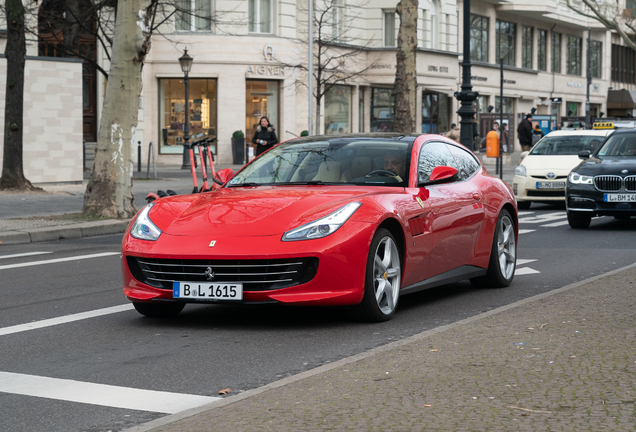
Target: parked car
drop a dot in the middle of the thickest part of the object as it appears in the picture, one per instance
(604, 183)
(542, 172)
(356, 220)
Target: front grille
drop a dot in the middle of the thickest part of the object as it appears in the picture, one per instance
(630, 184)
(608, 183)
(548, 178)
(255, 275)
(546, 193)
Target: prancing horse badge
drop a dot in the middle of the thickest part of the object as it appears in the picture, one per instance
(212, 243)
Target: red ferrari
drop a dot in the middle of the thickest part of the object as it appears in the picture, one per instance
(356, 220)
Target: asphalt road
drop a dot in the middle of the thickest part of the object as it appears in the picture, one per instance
(112, 371)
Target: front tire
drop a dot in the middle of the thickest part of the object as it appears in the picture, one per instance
(503, 255)
(382, 281)
(578, 220)
(159, 310)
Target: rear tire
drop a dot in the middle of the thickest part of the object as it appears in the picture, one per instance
(503, 255)
(382, 281)
(159, 310)
(524, 205)
(578, 220)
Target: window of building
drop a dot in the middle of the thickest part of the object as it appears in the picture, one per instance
(261, 100)
(193, 15)
(479, 38)
(556, 52)
(337, 19)
(506, 42)
(435, 112)
(573, 109)
(596, 61)
(389, 28)
(260, 15)
(172, 110)
(360, 109)
(573, 55)
(434, 24)
(542, 50)
(508, 106)
(526, 47)
(382, 105)
(338, 110)
(623, 61)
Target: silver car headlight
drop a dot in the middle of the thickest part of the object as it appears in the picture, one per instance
(143, 228)
(577, 178)
(324, 226)
(520, 170)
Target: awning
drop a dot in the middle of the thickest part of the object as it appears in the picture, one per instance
(621, 99)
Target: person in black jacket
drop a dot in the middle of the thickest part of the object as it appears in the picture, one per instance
(524, 133)
(265, 137)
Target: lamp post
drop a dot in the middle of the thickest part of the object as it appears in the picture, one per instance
(186, 64)
(467, 95)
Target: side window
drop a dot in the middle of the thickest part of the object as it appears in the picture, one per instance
(465, 162)
(433, 155)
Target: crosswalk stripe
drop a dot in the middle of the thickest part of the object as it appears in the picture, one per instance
(525, 271)
(524, 261)
(526, 231)
(525, 213)
(543, 218)
(100, 394)
(23, 254)
(556, 224)
(57, 260)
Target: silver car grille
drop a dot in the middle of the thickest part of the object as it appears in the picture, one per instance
(608, 183)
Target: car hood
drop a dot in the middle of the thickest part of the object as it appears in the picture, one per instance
(249, 211)
(560, 165)
(607, 166)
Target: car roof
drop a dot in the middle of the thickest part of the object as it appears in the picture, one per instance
(624, 131)
(393, 136)
(603, 132)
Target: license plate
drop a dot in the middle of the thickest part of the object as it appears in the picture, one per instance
(207, 291)
(550, 185)
(619, 197)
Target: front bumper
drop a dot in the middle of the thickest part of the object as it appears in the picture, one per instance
(339, 279)
(587, 199)
(525, 189)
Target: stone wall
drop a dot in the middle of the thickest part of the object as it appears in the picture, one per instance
(52, 119)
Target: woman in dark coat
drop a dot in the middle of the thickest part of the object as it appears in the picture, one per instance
(265, 137)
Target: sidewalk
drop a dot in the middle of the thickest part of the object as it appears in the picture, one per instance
(560, 361)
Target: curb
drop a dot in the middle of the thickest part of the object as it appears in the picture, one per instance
(78, 230)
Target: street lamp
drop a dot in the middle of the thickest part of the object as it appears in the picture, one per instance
(186, 64)
(467, 95)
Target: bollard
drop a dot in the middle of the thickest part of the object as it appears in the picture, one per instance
(138, 156)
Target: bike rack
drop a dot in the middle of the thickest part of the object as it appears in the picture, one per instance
(151, 151)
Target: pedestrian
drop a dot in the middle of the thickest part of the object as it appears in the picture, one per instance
(524, 133)
(453, 133)
(503, 136)
(265, 136)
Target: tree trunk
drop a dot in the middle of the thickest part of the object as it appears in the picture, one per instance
(109, 190)
(15, 52)
(406, 69)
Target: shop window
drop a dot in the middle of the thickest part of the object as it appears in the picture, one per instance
(193, 15)
(435, 112)
(260, 16)
(389, 28)
(573, 55)
(542, 47)
(596, 61)
(261, 101)
(360, 109)
(573, 109)
(623, 61)
(508, 105)
(526, 47)
(556, 52)
(338, 110)
(201, 116)
(382, 106)
(479, 38)
(506, 32)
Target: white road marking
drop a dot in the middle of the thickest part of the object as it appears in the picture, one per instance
(526, 231)
(524, 261)
(64, 319)
(100, 394)
(525, 271)
(23, 254)
(525, 213)
(543, 218)
(556, 224)
(57, 260)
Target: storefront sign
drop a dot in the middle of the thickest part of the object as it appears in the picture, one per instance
(478, 78)
(268, 52)
(577, 85)
(510, 81)
(265, 70)
(381, 66)
(442, 69)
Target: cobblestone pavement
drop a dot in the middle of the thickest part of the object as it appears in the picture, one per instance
(563, 361)
(23, 224)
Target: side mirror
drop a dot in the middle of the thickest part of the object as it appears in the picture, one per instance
(441, 174)
(522, 155)
(584, 154)
(225, 174)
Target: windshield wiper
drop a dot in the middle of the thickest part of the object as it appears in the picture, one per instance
(309, 182)
(244, 184)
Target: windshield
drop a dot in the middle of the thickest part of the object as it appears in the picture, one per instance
(567, 144)
(619, 146)
(340, 161)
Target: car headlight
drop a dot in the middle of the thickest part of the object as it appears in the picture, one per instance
(323, 226)
(577, 178)
(520, 170)
(143, 228)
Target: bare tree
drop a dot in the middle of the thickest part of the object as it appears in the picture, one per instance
(405, 68)
(612, 15)
(15, 53)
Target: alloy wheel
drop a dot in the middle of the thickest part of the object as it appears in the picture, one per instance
(506, 247)
(386, 275)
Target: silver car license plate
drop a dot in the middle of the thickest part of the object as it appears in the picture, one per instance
(550, 185)
(207, 291)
